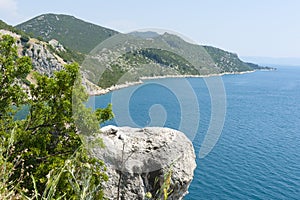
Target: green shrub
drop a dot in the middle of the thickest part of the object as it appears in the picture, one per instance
(54, 159)
(24, 38)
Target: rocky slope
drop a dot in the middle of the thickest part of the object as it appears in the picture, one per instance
(45, 56)
(142, 162)
(43, 60)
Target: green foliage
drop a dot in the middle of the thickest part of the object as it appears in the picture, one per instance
(104, 114)
(50, 131)
(80, 175)
(169, 59)
(24, 38)
(12, 69)
(5, 26)
(71, 32)
(40, 38)
(68, 55)
(161, 186)
(140, 63)
(226, 61)
(257, 67)
(111, 76)
(12, 96)
(8, 189)
(47, 141)
(170, 52)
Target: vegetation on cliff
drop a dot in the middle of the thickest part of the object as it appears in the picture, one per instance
(48, 147)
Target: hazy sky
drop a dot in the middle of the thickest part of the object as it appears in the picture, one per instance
(248, 27)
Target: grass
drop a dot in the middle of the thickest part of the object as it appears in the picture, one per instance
(8, 189)
(79, 176)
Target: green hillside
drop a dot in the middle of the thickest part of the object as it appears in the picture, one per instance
(226, 61)
(148, 62)
(7, 27)
(136, 55)
(68, 30)
(128, 57)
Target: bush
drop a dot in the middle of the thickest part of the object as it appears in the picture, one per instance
(24, 38)
(54, 159)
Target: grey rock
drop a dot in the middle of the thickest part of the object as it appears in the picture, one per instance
(56, 45)
(142, 159)
(43, 60)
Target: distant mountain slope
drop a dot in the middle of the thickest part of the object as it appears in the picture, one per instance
(147, 34)
(128, 57)
(136, 55)
(46, 57)
(227, 61)
(5, 26)
(68, 30)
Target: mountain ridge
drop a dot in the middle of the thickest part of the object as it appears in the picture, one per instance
(67, 29)
(158, 54)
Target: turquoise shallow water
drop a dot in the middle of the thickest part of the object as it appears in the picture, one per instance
(257, 154)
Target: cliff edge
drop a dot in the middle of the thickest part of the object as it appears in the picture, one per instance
(143, 162)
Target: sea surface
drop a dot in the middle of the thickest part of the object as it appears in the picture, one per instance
(257, 155)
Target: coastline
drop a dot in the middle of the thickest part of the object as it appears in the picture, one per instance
(141, 81)
(113, 88)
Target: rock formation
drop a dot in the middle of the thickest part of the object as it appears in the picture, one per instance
(43, 60)
(142, 162)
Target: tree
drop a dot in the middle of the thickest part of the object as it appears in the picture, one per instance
(52, 136)
(12, 70)
(51, 130)
(12, 96)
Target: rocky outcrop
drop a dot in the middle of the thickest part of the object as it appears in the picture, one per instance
(43, 59)
(56, 45)
(142, 162)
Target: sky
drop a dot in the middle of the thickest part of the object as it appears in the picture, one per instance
(261, 28)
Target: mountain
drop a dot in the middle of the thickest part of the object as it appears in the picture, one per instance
(146, 34)
(5, 26)
(43, 54)
(73, 33)
(46, 57)
(137, 55)
(122, 58)
(66, 55)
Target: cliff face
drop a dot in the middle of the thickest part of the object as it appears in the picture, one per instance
(143, 162)
(43, 60)
(44, 56)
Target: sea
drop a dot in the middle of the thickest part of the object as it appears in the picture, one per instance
(255, 152)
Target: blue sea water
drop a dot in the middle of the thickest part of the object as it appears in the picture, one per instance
(258, 153)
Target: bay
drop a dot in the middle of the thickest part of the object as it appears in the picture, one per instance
(257, 154)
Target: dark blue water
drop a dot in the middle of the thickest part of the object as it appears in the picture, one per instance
(258, 153)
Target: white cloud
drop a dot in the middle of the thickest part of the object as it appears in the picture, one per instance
(8, 6)
(8, 10)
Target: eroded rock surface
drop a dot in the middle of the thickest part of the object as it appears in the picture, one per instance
(145, 161)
